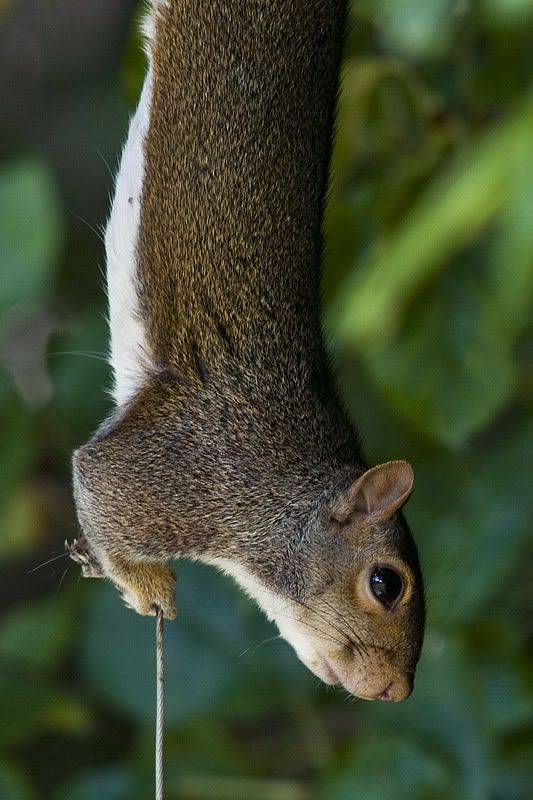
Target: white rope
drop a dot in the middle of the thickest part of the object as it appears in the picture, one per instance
(160, 698)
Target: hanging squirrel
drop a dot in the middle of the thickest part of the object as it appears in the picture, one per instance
(228, 444)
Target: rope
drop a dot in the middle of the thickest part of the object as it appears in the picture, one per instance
(160, 697)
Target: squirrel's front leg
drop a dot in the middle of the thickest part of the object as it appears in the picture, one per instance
(144, 587)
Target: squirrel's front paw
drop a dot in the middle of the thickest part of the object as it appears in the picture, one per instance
(149, 587)
(80, 551)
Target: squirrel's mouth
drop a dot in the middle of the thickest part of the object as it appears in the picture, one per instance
(327, 674)
(394, 690)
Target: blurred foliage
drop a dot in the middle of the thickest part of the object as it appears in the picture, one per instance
(428, 292)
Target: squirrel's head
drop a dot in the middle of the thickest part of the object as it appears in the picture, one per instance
(360, 620)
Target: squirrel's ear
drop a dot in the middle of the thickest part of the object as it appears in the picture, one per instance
(378, 493)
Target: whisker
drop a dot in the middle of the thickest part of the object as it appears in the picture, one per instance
(255, 647)
(327, 620)
(45, 563)
(106, 162)
(85, 354)
(61, 581)
(92, 228)
(325, 635)
(361, 645)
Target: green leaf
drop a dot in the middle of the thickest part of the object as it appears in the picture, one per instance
(419, 29)
(36, 637)
(479, 513)
(382, 106)
(451, 369)
(504, 667)
(80, 375)
(22, 522)
(30, 232)
(30, 707)
(116, 783)
(13, 783)
(511, 770)
(16, 453)
(200, 787)
(134, 63)
(384, 767)
(448, 216)
(440, 342)
(22, 517)
(510, 11)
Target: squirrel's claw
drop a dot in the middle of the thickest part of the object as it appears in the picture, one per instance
(80, 552)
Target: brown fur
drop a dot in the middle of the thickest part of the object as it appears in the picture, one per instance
(238, 448)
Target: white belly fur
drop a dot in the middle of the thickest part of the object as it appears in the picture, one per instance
(130, 356)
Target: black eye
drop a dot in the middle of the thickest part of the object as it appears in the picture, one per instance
(386, 585)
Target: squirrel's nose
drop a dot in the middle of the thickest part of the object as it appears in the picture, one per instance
(398, 689)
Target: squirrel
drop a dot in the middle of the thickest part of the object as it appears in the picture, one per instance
(228, 443)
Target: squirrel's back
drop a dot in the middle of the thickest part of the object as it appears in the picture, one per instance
(223, 179)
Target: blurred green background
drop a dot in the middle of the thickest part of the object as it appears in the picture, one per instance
(428, 298)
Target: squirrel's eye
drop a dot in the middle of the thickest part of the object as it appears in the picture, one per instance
(386, 585)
